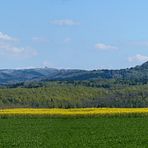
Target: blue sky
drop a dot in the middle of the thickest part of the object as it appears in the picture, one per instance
(76, 34)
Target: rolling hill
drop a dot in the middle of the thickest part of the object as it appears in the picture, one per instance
(11, 76)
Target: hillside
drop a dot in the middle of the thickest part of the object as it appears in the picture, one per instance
(138, 74)
(74, 88)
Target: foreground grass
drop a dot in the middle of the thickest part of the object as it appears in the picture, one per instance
(73, 112)
(64, 132)
(71, 128)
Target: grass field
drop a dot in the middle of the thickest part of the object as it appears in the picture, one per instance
(73, 131)
(102, 132)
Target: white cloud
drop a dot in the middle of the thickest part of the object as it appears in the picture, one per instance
(17, 51)
(104, 47)
(64, 22)
(5, 37)
(9, 46)
(138, 58)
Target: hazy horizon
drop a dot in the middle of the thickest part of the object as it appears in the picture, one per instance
(27, 68)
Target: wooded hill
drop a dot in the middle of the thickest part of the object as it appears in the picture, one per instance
(138, 74)
(74, 88)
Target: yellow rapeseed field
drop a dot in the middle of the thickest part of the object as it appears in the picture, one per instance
(73, 112)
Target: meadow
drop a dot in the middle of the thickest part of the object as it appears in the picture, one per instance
(71, 128)
(101, 132)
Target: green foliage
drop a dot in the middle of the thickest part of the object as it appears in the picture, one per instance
(104, 132)
(76, 88)
(63, 96)
(72, 95)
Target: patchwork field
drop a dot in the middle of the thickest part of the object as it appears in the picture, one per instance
(79, 128)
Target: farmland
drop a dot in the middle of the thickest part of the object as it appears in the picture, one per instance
(77, 112)
(74, 132)
(70, 129)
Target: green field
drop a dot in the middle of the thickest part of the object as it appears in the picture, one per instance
(86, 132)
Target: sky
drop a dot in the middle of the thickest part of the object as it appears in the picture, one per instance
(73, 34)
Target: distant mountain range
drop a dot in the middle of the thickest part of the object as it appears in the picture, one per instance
(9, 76)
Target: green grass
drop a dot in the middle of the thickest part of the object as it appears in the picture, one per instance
(103, 132)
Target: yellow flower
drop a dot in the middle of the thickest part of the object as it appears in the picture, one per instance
(73, 112)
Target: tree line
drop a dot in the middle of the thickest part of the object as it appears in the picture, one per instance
(73, 94)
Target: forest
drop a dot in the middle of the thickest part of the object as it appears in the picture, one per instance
(73, 94)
